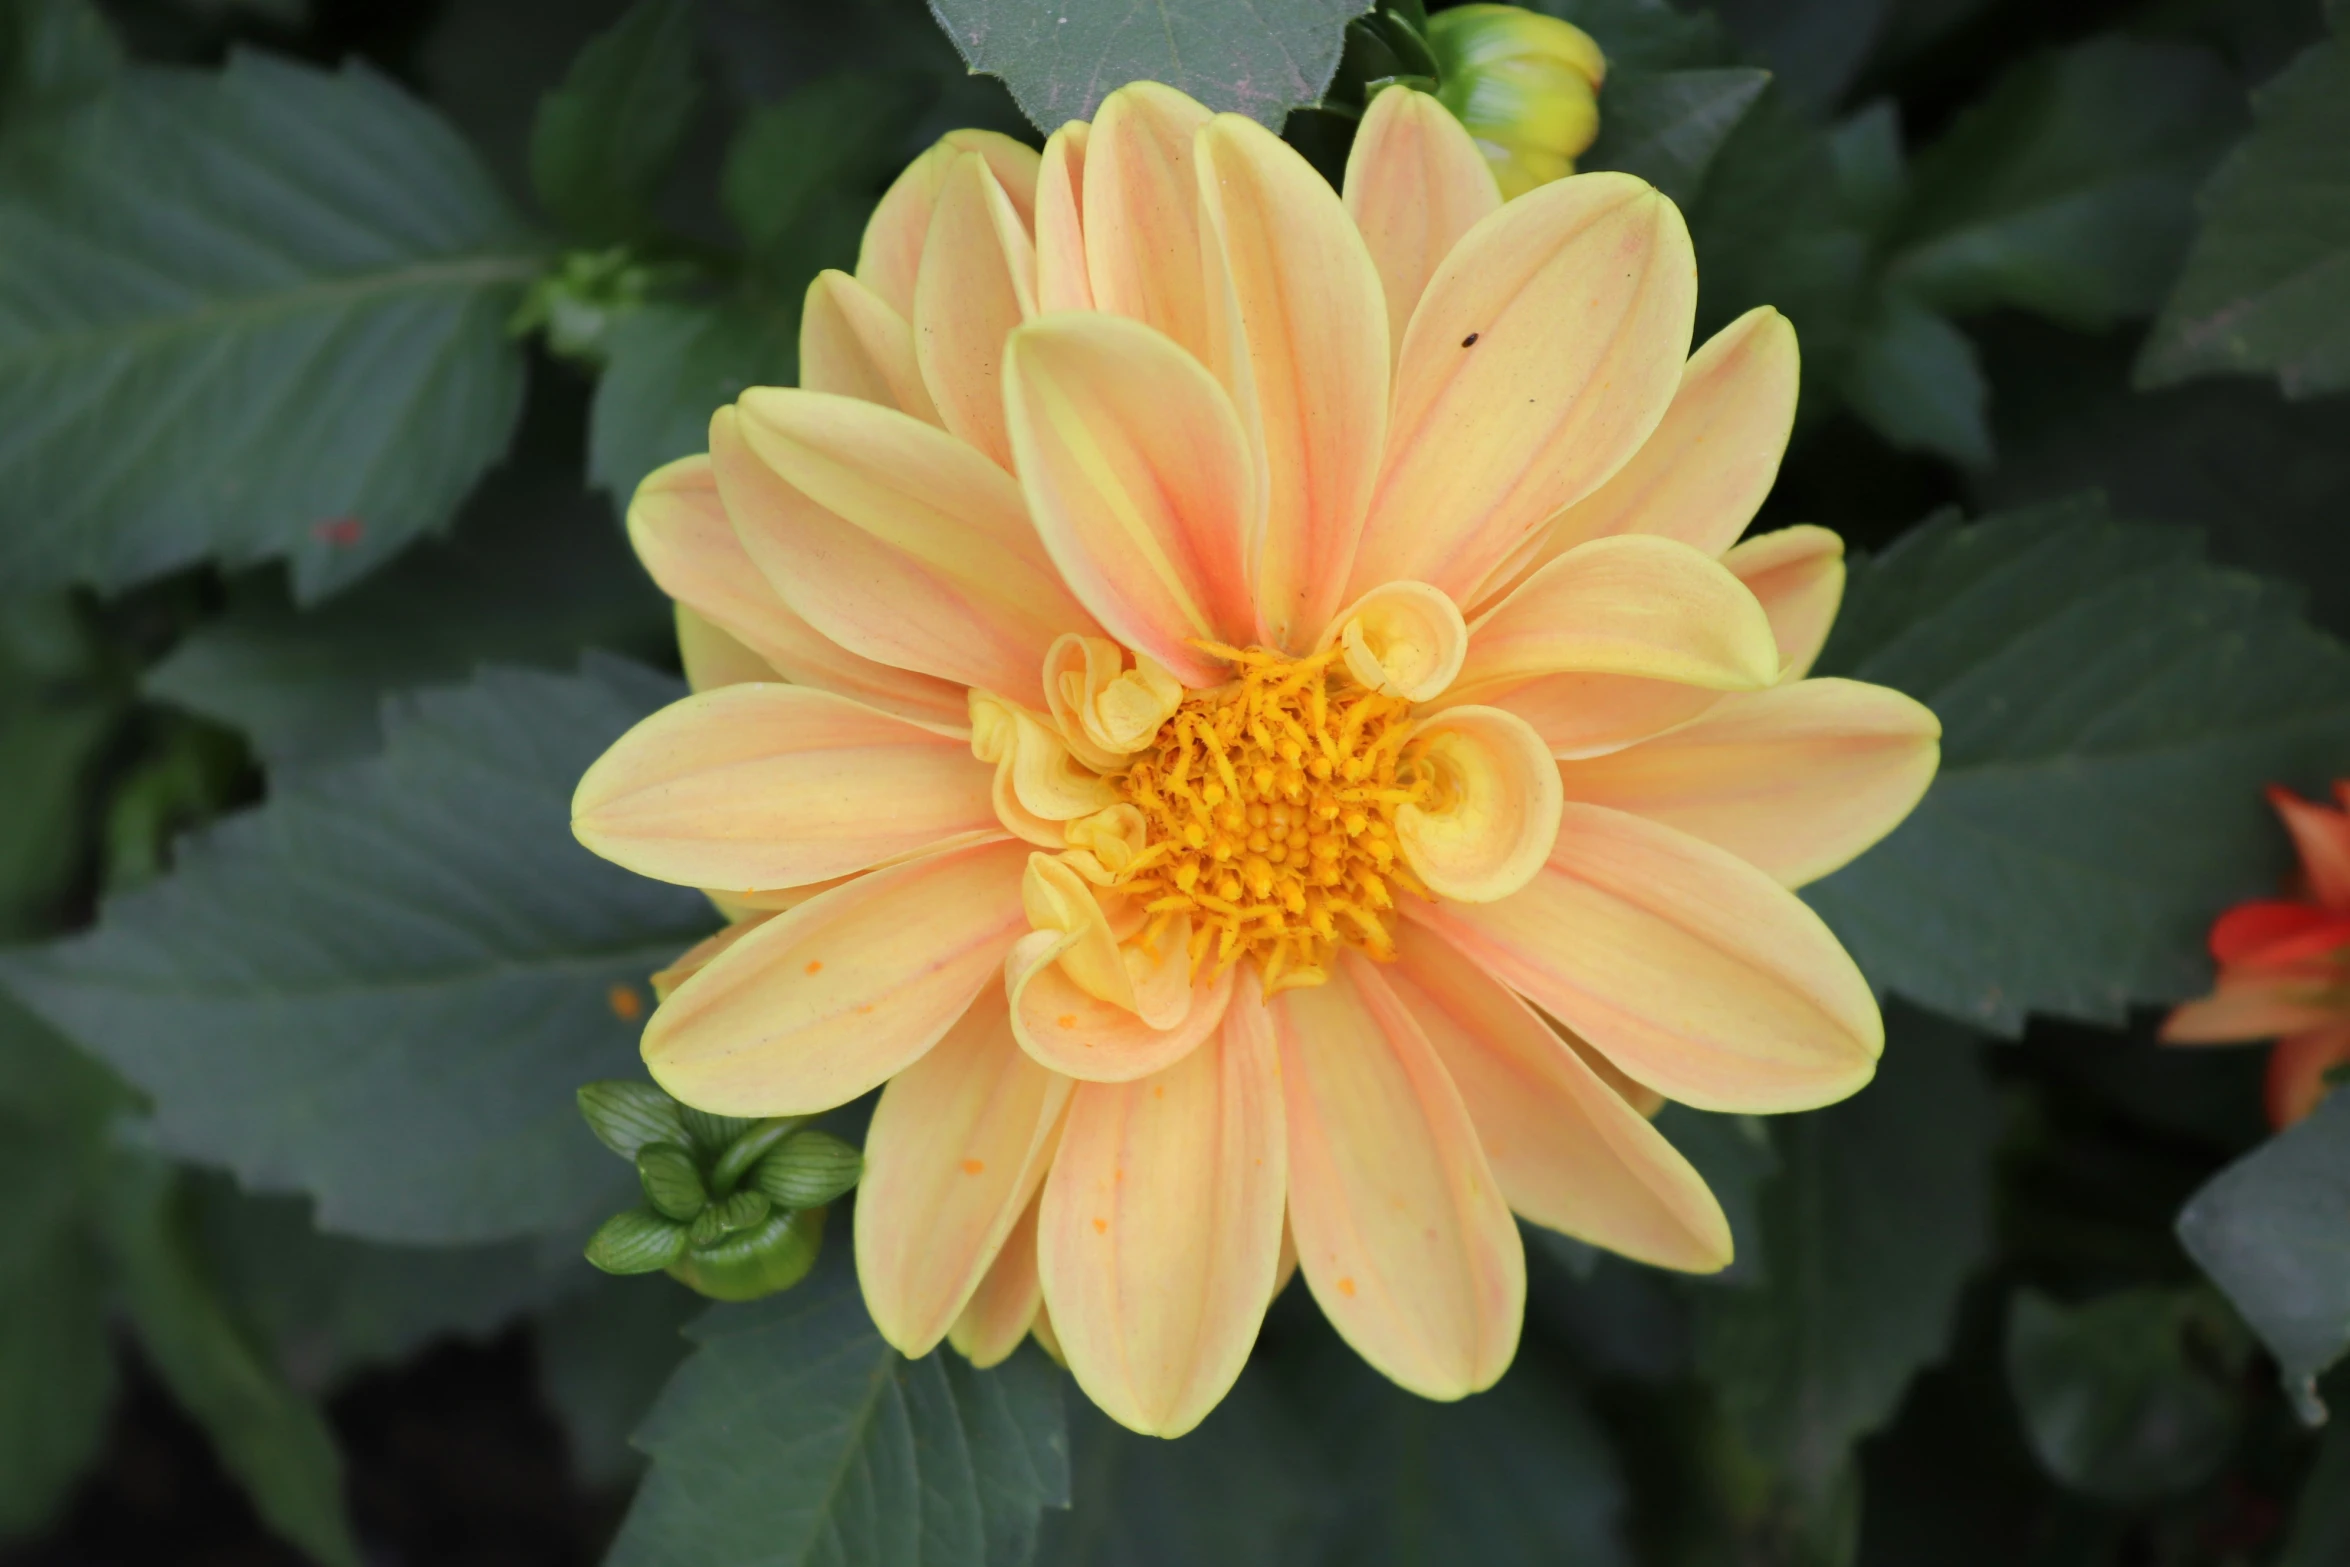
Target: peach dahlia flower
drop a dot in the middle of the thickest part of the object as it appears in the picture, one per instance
(1239, 710)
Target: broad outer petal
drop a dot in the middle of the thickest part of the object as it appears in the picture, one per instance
(839, 994)
(1569, 1152)
(853, 343)
(1796, 780)
(1160, 1230)
(1061, 280)
(1004, 1307)
(890, 257)
(1085, 1037)
(1415, 183)
(892, 538)
(1139, 480)
(958, 1144)
(1592, 715)
(2321, 836)
(1141, 207)
(2298, 1068)
(752, 786)
(1297, 332)
(978, 282)
(1544, 352)
(1688, 968)
(682, 534)
(1797, 574)
(1401, 1228)
(712, 656)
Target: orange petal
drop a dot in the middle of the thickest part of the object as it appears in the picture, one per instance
(1592, 715)
(1795, 781)
(2257, 1004)
(1161, 1229)
(1004, 1307)
(1798, 575)
(1401, 1228)
(852, 343)
(1544, 352)
(978, 282)
(1688, 968)
(890, 258)
(1297, 330)
(892, 538)
(959, 1143)
(1085, 1037)
(682, 535)
(713, 657)
(1569, 1152)
(2297, 1072)
(2322, 837)
(839, 994)
(1499, 810)
(1141, 206)
(1061, 283)
(1139, 479)
(1702, 475)
(752, 786)
(1415, 183)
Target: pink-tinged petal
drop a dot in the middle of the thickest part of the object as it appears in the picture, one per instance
(697, 957)
(1415, 183)
(1004, 1307)
(894, 539)
(978, 282)
(1401, 1228)
(713, 657)
(958, 1145)
(1061, 281)
(1702, 475)
(839, 994)
(2298, 1071)
(1796, 781)
(1569, 1152)
(1160, 1231)
(1138, 476)
(1592, 715)
(683, 536)
(1082, 1036)
(1141, 207)
(1797, 574)
(1651, 608)
(853, 343)
(753, 786)
(890, 257)
(2272, 934)
(1497, 809)
(1688, 968)
(1297, 333)
(2322, 838)
(1544, 352)
(2257, 1004)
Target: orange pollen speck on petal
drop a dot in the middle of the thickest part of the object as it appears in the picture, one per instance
(974, 1166)
(1269, 808)
(1101, 1226)
(1346, 1287)
(815, 966)
(626, 1003)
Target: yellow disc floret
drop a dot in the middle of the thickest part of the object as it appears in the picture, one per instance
(1270, 805)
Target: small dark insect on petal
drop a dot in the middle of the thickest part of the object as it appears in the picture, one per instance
(1470, 341)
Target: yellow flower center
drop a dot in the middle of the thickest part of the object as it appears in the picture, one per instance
(1269, 806)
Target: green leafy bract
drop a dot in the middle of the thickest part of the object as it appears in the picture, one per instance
(244, 316)
(382, 987)
(2111, 707)
(1260, 58)
(602, 140)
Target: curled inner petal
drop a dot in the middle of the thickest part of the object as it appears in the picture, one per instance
(1404, 640)
(1493, 811)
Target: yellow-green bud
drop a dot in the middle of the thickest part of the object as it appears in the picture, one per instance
(1525, 85)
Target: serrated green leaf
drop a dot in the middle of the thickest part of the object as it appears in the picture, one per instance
(812, 1169)
(795, 1435)
(249, 315)
(602, 141)
(627, 1113)
(1667, 127)
(56, 1377)
(670, 367)
(1737, 1158)
(1880, 1211)
(54, 56)
(637, 1241)
(2269, 1231)
(2111, 708)
(2068, 190)
(1915, 380)
(803, 172)
(382, 987)
(1261, 58)
(602, 1357)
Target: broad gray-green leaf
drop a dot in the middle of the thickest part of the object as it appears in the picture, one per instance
(602, 140)
(803, 172)
(603, 1355)
(2111, 707)
(1880, 1211)
(382, 987)
(1737, 1158)
(1667, 126)
(2267, 285)
(535, 572)
(247, 315)
(2068, 190)
(794, 1436)
(1260, 58)
(2269, 1230)
(1914, 378)
(673, 365)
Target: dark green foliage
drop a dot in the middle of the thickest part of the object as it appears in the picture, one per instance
(603, 140)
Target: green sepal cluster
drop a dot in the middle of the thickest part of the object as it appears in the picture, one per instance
(734, 1207)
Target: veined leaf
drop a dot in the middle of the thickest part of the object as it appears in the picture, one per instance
(2111, 707)
(249, 315)
(1667, 126)
(1915, 380)
(602, 140)
(382, 987)
(671, 366)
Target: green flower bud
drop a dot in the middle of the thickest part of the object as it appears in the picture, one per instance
(638, 1241)
(741, 1211)
(810, 1169)
(750, 1148)
(1525, 85)
(709, 1133)
(758, 1261)
(627, 1115)
(577, 302)
(672, 1182)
